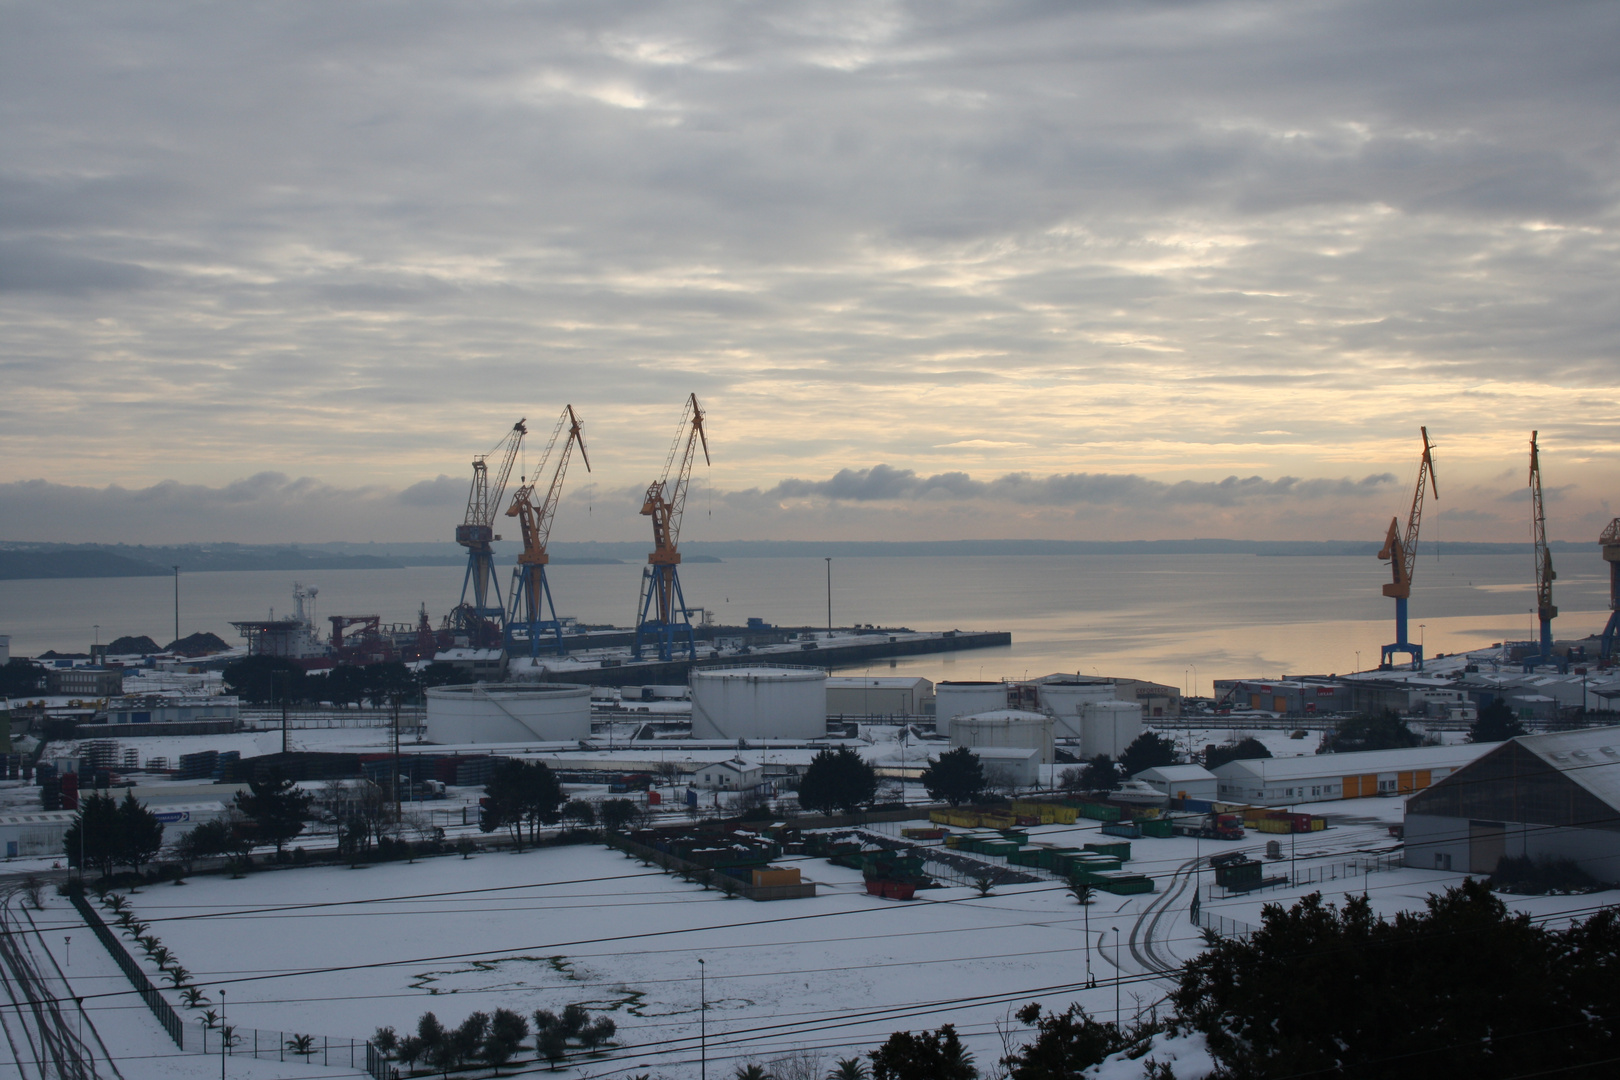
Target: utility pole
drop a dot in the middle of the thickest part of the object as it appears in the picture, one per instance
(177, 603)
(829, 594)
(395, 784)
(1118, 978)
(284, 693)
(703, 1022)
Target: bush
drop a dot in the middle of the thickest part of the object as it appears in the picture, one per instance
(1538, 877)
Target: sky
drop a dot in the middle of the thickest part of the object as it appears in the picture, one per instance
(1064, 270)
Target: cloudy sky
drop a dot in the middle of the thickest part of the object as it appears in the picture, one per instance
(1069, 270)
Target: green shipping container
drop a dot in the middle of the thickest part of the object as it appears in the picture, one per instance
(1120, 850)
(1156, 827)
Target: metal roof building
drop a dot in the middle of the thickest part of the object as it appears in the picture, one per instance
(1321, 777)
(1540, 796)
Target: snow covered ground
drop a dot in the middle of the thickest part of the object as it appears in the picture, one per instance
(340, 952)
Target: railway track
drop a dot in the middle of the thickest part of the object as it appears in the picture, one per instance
(40, 1033)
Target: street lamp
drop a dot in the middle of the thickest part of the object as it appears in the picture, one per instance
(1118, 975)
(224, 1034)
(829, 595)
(67, 942)
(703, 1022)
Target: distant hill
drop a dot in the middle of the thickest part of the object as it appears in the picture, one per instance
(137, 645)
(122, 560)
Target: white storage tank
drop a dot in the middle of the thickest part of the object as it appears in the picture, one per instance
(1004, 729)
(953, 699)
(1067, 699)
(508, 713)
(759, 703)
(1108, 727)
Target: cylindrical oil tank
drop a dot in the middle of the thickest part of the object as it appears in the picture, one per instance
(759, 703)
(508, 713)
(953, 699)
(1004, 729)
(1066, 700)
(1108, 727)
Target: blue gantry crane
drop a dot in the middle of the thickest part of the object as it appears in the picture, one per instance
(1401, 551)
(664, 613)
(532, 621)
(480, 613)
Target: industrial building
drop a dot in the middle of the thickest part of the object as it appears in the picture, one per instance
(508, 713)
(887, 695)
(1005, 729)
(1181, 781)
(778, 702)
(734, 774)
(1323, 777)
(1539, 796)
(84, 682)
(42, 832)
(153, 709)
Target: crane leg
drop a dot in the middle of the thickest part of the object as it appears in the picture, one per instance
(1401, 645)
(1609, 632)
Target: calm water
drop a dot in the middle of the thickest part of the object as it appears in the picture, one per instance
(1174, 619)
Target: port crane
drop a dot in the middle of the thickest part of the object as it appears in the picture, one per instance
(664, 613)
(531, 593)
(1401, 552)
(1545, 611)
(1610, 542)
(480, 620)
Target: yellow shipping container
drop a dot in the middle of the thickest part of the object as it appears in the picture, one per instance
(940, 817)
(1271, 825)
(774, 875)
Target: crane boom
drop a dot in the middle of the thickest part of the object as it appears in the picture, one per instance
(662, 603)
(666, 498)
(1401, 551)
(1545, 611)
(535, 521)
(531, 593)
(484, 499)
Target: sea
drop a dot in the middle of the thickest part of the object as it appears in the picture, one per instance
(1184, 620)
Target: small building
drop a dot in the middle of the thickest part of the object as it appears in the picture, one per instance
(733, 775)
(1181, 781)
(1538, 796)
(1009, 766)
(84, 682)
(886, 695)
(1324, 777)
(485, 665)
(41, 832)
(153, 709)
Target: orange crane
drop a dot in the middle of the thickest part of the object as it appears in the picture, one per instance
(662, 603)
(1401, 552)
(1545, 611)
(531, 593)
(480, 620)
(1609, 539)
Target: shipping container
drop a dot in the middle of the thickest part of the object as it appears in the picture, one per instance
(1130, 830)
(1119, 850)
(775, 875)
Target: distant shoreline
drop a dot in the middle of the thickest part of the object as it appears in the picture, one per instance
(56, 561)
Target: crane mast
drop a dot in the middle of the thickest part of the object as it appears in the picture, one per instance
(531, 592)
(1401, 552)
(1545, 611)
(663, 606)
(479, 619)
(1609, 540)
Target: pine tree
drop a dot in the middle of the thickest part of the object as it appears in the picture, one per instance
(277, 808)
(956, 776)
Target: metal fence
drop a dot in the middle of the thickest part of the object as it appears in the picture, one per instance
(1227, 928)
(326, 1050)
(412, 719)
(143, 984)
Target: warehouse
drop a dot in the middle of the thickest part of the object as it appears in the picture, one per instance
(1181, 781)
(1538, 796)
(1319, 777)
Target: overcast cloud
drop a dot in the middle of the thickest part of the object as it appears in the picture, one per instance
(1070, 270)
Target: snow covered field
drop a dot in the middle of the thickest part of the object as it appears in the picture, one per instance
(340, 952)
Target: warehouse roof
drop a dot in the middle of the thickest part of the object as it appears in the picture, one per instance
(1590, 757)
(1361, 761)
(1175, 773)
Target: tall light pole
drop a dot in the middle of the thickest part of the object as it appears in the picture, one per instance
(1118, 975)
(224, 1034)
(177, 603)
(703, 1022)
(829, 594)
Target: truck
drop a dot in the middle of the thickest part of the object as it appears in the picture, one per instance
(1210, 826)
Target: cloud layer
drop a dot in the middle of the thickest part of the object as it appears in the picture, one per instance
(1106, 255)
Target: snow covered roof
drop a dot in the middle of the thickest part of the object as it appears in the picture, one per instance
(1174, 773)
(1363, 761)
(1590, 757)
(903, 682)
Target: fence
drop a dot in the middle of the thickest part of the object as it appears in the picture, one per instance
(232, 1041)
(143, 985)
(1227, 928)
(1311, 875)
(412, 720)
